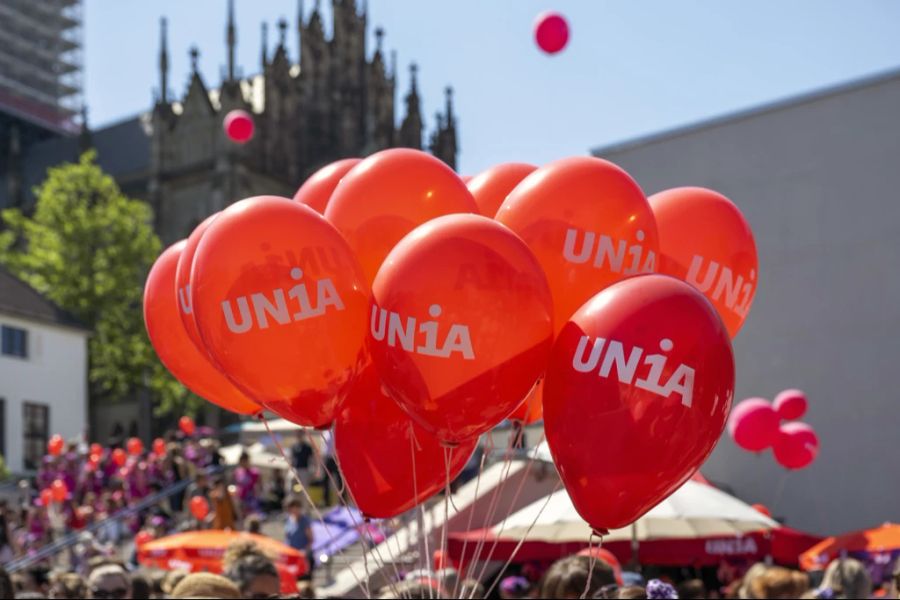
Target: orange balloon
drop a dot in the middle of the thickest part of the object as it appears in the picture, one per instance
(490, 188)
(119, 457)
(461, 324)
(706, 241)
(59, 489)
(135, 446)
(183, 282)
(316, 191)
(388, 195)
(281, 304)
(172, 344)
(531, 410)
(56, 445)
(589, 225)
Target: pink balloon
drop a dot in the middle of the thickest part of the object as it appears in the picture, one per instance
(753, 424)
(797, 446)
(790, 404)
(551, 32)
(238, 126)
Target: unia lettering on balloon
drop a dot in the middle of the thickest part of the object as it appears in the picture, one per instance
(388, 326)
(620, 257)
(613, 353)
(184, 299)
(738, 293)
(277, 307)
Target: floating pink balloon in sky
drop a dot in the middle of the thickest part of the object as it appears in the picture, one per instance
(551, 32)
(238, 125)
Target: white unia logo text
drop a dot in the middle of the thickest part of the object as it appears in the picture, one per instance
(424, 338)
(738, 293)
(283, 306)
(732, 547)
(612, 353)
(617, 254)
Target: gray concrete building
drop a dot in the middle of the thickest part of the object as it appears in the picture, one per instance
(818, 178)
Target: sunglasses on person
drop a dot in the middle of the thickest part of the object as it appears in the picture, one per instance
(108, 594)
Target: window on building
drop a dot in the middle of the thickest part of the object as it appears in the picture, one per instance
(15, 341)
(36, 419)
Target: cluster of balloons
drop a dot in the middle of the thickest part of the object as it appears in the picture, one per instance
(57, 492)
(756, 425)
(412, 313)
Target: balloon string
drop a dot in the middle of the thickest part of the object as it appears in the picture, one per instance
(397, 577)
(779, 491)
(426, 562)
(446, 508)
(521, 541)
(306, 495)
(593, 563)
(531, 460)
(457, 587)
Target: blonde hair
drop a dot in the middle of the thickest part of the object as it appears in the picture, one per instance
(848, 578)
(778, 582)
(205, 585)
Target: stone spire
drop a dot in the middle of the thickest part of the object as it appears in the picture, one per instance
(265, 45)
(410, 134)
(163, 61)
(230, 39)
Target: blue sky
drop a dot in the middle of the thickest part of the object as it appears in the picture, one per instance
(631, 68)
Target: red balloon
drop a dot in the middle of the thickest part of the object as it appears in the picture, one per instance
(374, 441)
(532, 409)
(797, 446)
(60, 490)
(753, 424)
(199, 507)
(159, 447)
(119, 457)
(281, 304)
(589, 225)
(762, 509)
(637, 391)
(551, 32)
(172, 344)
(790, 404)
(135, 446)
(238, 125)
(490, 188)
(186, 425)
(316, 191)
(183, 283)
(143, 536)
(96, 449)
(705, 240)
(388, 195)
(56, 445)
(461, 324)
(46, 497)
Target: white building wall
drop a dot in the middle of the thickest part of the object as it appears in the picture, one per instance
(54, 374)
(819, 182)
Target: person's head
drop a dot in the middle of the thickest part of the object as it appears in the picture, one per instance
(293, 506)
(631, 592)
(471, 588)
(745, 589)
(67, 585)
(305, 589)
(244, 460)
(568, 577)
(779, 582)
(691, 589)
(141, 588)
(253, 524)
(251, 570)
(206, 585)
(515, 586)
(171, 580)
(848, 578)
(109, 581)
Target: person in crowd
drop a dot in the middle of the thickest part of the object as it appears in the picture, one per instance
(331, 479)
(471, 588)
(631, 592)
(6, 584)
(67, 585)
(779, 582)
(253, 524)
(246, 478)
(305, 589)
(302, 459)
(109, 581)
(251, 570)
(171, 580)
(141, 587)
(207, 585)
(691, 589)
(514, 587)
(847, 578)
(224, 509)
(571, 577)
(8, 547)
(895, 581)
(298, 531)
(198, 487)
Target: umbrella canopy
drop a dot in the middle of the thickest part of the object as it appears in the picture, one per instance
(203, 551)
(878, 545)
(711, 521)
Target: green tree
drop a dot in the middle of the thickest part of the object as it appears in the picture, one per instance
(88, 248)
